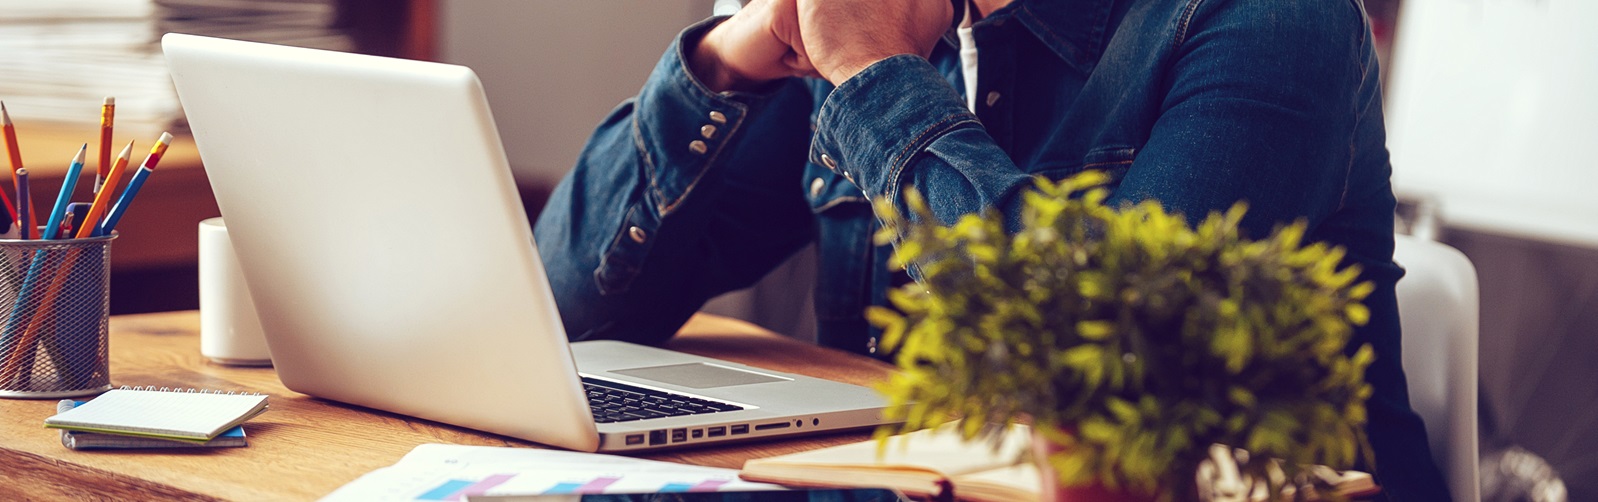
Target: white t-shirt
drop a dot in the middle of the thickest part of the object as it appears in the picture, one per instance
(968, 58)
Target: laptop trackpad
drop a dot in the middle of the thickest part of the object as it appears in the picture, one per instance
(699, 375)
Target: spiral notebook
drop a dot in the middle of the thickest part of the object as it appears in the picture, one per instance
(80, 440)
(181, 414)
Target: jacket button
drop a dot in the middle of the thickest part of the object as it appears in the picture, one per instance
(708, 131)
(637, 234)
(698, 146)
(815, 187)
(827, 161)
(993, 97)
(718, 117)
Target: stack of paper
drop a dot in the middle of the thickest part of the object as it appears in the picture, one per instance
(300, 23)
(61, 58)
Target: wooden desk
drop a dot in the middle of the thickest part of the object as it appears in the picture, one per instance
(305, 447)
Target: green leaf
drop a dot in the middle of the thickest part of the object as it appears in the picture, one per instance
(1123, 411)
(1095, 330)
(1357, 314)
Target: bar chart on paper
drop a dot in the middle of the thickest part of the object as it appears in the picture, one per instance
(541, 484)
(449, 472)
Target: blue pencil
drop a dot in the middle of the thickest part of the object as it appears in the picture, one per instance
(21, 361)
(121, 206)
(24, 204)
(59, 211)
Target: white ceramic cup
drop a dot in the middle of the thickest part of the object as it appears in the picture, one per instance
(230, 332)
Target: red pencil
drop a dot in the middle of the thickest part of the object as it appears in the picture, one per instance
(107, 115)
(16, 159)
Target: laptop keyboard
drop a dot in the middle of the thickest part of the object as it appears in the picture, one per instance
(618, 402)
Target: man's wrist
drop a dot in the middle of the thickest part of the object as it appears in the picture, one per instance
(843, 72)
(706, 64)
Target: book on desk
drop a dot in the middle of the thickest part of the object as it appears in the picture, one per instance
(938, 464)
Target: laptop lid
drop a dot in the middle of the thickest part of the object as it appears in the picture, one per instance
(372, 209)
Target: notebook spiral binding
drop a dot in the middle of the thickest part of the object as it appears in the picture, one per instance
(190, 390)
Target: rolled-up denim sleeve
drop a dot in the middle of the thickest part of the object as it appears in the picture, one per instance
(898, 123)
(1259, 110)
(681, 193)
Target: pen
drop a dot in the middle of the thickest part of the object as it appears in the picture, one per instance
(134, 184)
(52, 227)
(16, 158)
(108, 113)
(102, 199)
(24, 203)
(76, 212)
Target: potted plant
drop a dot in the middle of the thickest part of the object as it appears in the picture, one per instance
(1131, 341)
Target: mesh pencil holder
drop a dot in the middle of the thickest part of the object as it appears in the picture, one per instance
(54, 302)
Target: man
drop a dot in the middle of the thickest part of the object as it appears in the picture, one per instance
(725, 163)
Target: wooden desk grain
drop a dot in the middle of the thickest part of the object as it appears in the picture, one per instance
(306, 447)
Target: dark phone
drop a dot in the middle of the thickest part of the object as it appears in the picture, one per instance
(799, 495)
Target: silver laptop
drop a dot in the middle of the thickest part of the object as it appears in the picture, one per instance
(393, 267)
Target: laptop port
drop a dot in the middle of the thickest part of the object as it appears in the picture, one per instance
(633, 439)
(657, 437)
(740, 429)
(679, 435)
(717, 431)
(774, 425)
(699, 433)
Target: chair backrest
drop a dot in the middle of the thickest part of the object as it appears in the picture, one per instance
(1438, 304)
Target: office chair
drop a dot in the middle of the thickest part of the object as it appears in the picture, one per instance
(1437, 305)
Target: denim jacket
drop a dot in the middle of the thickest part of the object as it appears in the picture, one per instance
(683, 193)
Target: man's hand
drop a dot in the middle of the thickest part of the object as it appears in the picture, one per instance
(842, 37)
(752, 48)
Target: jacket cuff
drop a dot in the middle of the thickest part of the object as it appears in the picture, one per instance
(681, 126)
(879, 121)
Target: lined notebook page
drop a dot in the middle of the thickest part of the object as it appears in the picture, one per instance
(190, 415)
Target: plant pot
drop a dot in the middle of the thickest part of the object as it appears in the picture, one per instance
(1053, 491)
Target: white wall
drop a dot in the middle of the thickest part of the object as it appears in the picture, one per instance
(1492, 111)
(552, 69)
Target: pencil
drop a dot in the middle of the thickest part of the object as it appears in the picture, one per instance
(103, 199)
(52, 227)
(108, 113)
(24, 204)
(16, 158)
(134, 183)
